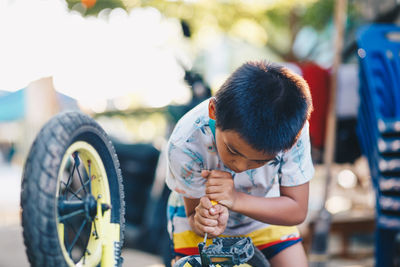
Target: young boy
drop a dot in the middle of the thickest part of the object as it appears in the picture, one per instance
(247, 148)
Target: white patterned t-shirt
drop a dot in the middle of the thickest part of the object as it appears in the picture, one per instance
(191, 149)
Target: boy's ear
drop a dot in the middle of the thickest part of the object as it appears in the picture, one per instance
(211, 108)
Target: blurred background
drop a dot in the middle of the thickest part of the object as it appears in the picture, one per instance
(137, 66)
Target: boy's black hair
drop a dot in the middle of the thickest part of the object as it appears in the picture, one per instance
(266, 104)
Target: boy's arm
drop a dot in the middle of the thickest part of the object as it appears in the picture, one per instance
(288, 209)
(190, 205)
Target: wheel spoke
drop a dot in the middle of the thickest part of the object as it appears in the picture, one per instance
(72, 214)
(84, 255)
(77, 236)
(90, 175)
(66, 239)
(80, 239)
(95, 230)
(80, 179)
(69, 179)
(79, 190)
(72, 192)
(72, 173)
(77, 162)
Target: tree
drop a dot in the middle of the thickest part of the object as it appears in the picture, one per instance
(274, 24)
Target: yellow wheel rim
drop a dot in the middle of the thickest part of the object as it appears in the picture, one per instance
(103, 235)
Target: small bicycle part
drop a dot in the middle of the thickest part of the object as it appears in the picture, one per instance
(226, 251)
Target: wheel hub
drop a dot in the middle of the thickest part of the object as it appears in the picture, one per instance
(87, 206)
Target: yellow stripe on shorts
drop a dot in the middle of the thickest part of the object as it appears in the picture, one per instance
(260, 237)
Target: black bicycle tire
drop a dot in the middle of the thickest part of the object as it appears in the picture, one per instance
(39, 183)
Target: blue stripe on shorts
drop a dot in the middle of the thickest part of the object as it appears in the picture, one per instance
(271, 251)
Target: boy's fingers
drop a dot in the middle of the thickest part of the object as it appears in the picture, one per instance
(224, 213)
(220, 174)
(217, 209)
(206, 214)
(213, 189)
(208, 222)
(215, 174)
(205, 202)
(205, 173)
(208, 229)
(205, 224)
(206, 207)
(215, 181)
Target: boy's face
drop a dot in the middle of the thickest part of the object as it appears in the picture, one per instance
(234, 151)
(237, 154)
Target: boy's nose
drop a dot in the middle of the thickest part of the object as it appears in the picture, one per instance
(241, 165)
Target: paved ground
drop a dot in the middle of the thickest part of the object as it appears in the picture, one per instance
(12, 251)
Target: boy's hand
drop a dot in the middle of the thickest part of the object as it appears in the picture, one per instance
(210, 219)
(220, 187)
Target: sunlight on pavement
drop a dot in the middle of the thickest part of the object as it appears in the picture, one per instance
(10, 188)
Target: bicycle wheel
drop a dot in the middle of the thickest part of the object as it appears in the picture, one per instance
(72, 196)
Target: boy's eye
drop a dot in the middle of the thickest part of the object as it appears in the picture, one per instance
(231, 152)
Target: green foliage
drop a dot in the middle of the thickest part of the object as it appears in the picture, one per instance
(319, 14)
(276, 22)
(95, 10)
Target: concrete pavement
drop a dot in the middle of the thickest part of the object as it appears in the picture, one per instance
(12, 251)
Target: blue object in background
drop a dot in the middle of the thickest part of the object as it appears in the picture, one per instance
(378, 130)
(12, 106)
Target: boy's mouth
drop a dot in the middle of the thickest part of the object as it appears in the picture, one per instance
(236, 171)
(233, 169)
